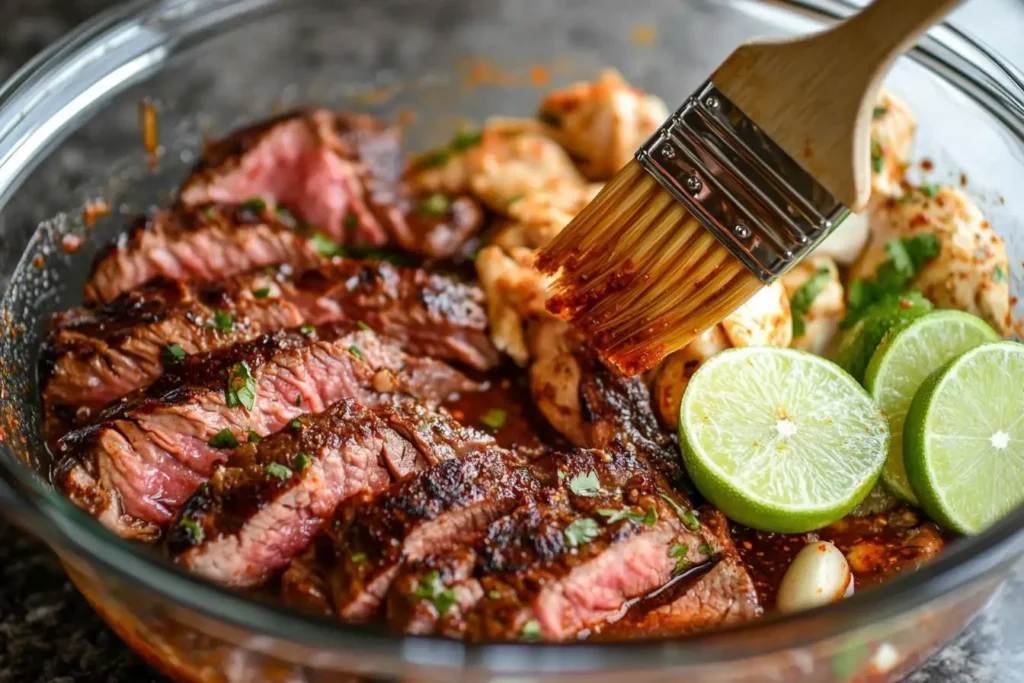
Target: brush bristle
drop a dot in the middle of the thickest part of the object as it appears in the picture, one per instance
(639, 276)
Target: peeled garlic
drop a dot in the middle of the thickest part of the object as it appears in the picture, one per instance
(818, 575)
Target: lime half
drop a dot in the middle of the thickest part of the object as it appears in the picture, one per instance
(963, 438)
(857, 344)
(904, 359)
(779, 439)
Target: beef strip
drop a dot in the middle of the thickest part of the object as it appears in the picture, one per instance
(149, 452)
(93, 356)
(609, 531)
(267, 503)
(339, 172)
(205, 245)
(426, 514)
(304, 584)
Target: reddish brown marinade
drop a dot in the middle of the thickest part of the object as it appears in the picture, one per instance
(877, 547)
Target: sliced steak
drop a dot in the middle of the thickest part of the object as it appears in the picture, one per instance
(148, 453)
(609, 532)
(432, 225)
(206, 245)
(93, 356)
(263, 507)
(323, 166)
(430, 512)
(304, 584)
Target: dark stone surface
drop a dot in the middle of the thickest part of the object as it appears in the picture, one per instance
(48, 634)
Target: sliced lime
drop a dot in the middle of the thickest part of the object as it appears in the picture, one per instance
(859, 342)
(904, 359)
(779, 439)
(963, 438)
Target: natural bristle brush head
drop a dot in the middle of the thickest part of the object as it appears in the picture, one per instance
(639, 276)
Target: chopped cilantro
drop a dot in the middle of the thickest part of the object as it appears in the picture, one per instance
(210, 211)
(515, 199)
(465, 139)
(494, 595)
(802, 300)
(877, 160)
(650, 518)
(494, 418)
(357, 352)
(436, 204)
(276, 469)
(531, 632)
(999, 275)
(307, 330)
(223, 439)
(431, 588)
(261, 293)
(302, 462)
(706, 549)
(253, 437)
(193, 529)
(241, 389)
(435, 158)
(930, 190)
(581, 532)
(358, 557)
(256, 204)
(550, 118)
(688, 517)
(586, 485)
(905, 259)
(172, 353)
(679, 553)
(326, 246)
(295, 424)
(879, 112)
(363, 326)
(298, 400)
(222, 320)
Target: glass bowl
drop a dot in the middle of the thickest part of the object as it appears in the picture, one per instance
(70, 141)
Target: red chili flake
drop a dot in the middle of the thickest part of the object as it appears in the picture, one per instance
(927, 164)
(919, 220)
(94, 209)
(71, 243)
(150, 131)
(39, 261)
(539, 75)
(963, 180)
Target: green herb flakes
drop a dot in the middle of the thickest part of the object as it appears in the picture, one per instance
(650, 518)
(905, 259)
(356, 558)
(465, 139)
(581, 532)
(430, 588)
(706, 549)
(802, 300)
(225, 438)
(494, 595)
(351, 222)
(326, 246)
(257, 204)
(172, 353)
(930, 190)
(688, 517)
(679, 553)
(222, 320)
(193, 529)
(515, 199)
(494, 418)
(302, 461)
(363, 326)
(530, 632)
(877, 160)
(585, 485)
(210, 212)
(241, 389)
(276, 469)
(436, 204)
(253, 437)
(357, 352)
(999, 275)
(307, 330)
(879, 112)
(295, 424)
(261, 293)
(435, 158)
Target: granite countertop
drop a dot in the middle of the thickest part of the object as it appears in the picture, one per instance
(48, 634)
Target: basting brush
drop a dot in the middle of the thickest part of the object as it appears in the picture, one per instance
(755, 169)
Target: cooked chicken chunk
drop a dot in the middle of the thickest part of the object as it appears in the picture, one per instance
(892, 135)
(539, 216)
(515, 292)
(602, 123)
(765, 320)
(825, 310)
(971, 273)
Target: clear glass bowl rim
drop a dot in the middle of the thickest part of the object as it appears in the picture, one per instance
(27, 133)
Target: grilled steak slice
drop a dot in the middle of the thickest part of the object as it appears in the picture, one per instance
(323, 166)
(199, 246)
(266, 505)
(304, 584)
(147, 454)
(609, 532)
(426, 514)
(93, 356)
(432, 225)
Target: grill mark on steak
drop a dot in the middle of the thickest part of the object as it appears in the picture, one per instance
(93, 356)
(529, 570)
(319, 164)
(430, 512)
(199, 246)
(264, 506)
(149, 452)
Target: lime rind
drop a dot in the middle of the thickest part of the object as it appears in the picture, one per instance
(780, 439)
(903, 360)
(858, 344)
(964, 438)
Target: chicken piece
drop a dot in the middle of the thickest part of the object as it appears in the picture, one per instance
(826, 309)
(971, 272)
(675, 372)
(765, 320)
(538, 217)
(515, 292)
(892, 135)
(602, 123)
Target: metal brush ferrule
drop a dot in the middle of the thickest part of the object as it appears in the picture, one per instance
(752, 196)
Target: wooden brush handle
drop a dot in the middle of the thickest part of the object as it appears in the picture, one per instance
(814, 96)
